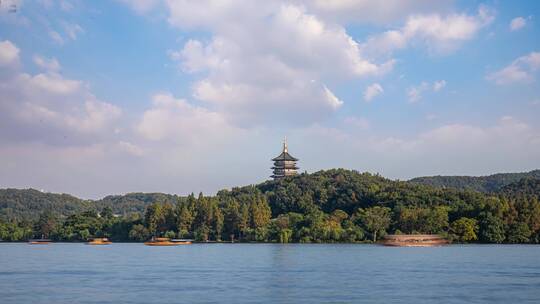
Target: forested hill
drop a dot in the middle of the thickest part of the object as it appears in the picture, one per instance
(133, 202)
(335, 205)
(28, 204)
(18, 204)
(490, 183)
(328, 190)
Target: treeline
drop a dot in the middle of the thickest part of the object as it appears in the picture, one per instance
(27, 204)
(327, 206)
(490, 183)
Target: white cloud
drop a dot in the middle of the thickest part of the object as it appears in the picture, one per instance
(372, 91)
(521, 70)
(52, 83)
(9, 53)
(48, 107)
(332, 99)
(49, 64)
(378, 12)
(517, 23)
(172, 119)
(439, 85)
(414, 94)
(72, 30)
(131, 148)
(441, 34)
(507, 145)
(56, 37)
(281, 78)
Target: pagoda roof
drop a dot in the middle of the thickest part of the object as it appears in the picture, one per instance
(286, 167)
(284, 156)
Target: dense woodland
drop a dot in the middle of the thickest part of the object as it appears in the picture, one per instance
(490, 183)
(327, 206)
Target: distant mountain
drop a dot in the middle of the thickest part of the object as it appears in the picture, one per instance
(133, 202)
(17, 204)
(29, 203)
(330, 189)
(490, 183)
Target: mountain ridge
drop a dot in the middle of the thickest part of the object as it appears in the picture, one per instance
(29, 203)
(487, 183)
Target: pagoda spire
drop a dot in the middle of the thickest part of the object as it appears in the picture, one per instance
(285, 149)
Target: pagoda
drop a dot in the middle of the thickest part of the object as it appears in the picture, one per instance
(284, 164)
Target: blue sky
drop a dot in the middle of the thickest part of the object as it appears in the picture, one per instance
(103, 97)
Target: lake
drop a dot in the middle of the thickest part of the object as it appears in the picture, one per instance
(268, 273)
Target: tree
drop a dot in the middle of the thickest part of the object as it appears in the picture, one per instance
(139, 233)
(491, 228)
(518, 233)
(169, 234)
(154, 217)
(260, 213)
(46, 223)
(218, 222)
(201, 233)
(465, 229)
(422, 220)
(231, 218)
(184, 220)
(243, 221)
(107, 213)
(375, 219)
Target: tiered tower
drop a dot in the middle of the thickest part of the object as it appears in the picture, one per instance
(284, 164)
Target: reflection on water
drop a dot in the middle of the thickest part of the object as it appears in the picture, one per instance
(268, 273)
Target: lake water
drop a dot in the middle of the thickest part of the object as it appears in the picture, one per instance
(268, 273)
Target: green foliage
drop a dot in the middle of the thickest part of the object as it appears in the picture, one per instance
(464, 230)
(422, 220)
(518, 233)
(170, 234)
(375, 220)
(491, 228)
(139, 233)
(18, 205)
(327, 206)
(491, 183)
(45, 224)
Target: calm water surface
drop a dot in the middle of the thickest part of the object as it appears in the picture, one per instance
(268, 273)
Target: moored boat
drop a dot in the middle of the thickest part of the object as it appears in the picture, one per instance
(163, 241)
(182, 241)
(99, 241)
(39, 241)
(414, 240)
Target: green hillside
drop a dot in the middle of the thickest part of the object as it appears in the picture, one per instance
(17, 204)
(28, 204)
(490, 183)
(335, 205)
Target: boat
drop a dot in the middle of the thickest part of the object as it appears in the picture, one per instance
(414, 240)
(99, 241)
(182, 241)
(39, 241)
(163, 241)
